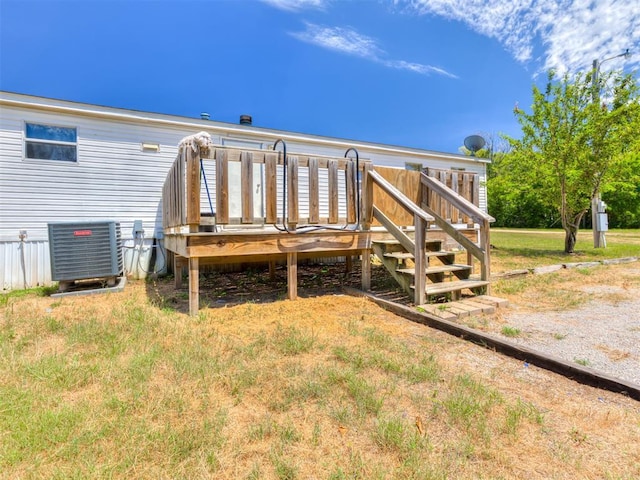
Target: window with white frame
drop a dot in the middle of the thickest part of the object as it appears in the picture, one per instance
(49, 142)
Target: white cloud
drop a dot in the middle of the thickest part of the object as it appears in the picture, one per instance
(571, 33)
(343, 40)
(348, 41)
(295, 5)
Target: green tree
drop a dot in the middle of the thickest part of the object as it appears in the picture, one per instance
(571, 146)
(512, 202)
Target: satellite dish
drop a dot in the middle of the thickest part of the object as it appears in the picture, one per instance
(474, 143)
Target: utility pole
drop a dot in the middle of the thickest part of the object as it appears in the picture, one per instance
(597, 206)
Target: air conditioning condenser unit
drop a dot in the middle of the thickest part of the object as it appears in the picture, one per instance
(85, 250)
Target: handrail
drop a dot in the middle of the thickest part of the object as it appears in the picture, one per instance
(424, 214)
(483, 219)
(400, 197)
(421, 220)
(457, 200)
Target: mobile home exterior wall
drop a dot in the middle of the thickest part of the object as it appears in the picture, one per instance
(116, 178)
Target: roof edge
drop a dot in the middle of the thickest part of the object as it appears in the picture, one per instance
(21, 100)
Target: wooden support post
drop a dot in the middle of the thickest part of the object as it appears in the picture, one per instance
(194, 285)
(348, 264)
(366, 216)
(272, 270)
(366, 270)
(178, 262)
(292, 275)
(420, 261)
(485, 245)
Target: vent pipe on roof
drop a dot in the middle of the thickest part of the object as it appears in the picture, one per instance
(246, 120)
(204, 116)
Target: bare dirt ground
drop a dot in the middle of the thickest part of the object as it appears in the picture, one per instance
(591, 318)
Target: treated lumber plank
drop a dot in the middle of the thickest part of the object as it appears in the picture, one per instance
(483, 307)
(333, 191)
(463, 305)
(314, 191)
(366, 215)
(193, 189)
(391, 227)
(454, 186)
(257, 244)
(437, 269)
(446, 287)
(466, 193)
(497, 301)
(437, 310)
(246, 186)
(457, 310)
(420, 261)
(222, 187)
(271, 187)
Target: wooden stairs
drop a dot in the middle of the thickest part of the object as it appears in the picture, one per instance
(446, 280)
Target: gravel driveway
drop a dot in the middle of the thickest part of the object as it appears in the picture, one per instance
(603, 334)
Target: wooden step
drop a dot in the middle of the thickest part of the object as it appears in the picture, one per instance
(438, 269)
(446, 287)
(431, 245)
(409, 256)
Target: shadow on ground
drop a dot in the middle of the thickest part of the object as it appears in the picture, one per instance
(254, 285)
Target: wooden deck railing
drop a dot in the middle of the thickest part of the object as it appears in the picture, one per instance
(465, 184)
(319, 190)
(181, 192)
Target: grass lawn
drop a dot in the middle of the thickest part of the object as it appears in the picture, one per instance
(329, 387)
(516, 249)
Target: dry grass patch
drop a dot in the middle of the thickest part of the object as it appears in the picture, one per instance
(613, 353)
(121, 386)
(569, 288)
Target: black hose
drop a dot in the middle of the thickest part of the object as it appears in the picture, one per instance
(284, 186)
(206, 186)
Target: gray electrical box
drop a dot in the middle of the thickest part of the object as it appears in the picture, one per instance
(85, 250)
(602, 222)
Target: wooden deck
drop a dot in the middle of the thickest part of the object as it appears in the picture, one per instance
(225, 205)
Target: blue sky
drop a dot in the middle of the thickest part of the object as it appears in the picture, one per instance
(420, 73)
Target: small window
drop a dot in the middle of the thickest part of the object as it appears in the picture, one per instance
(47, 142)
(416, 167)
